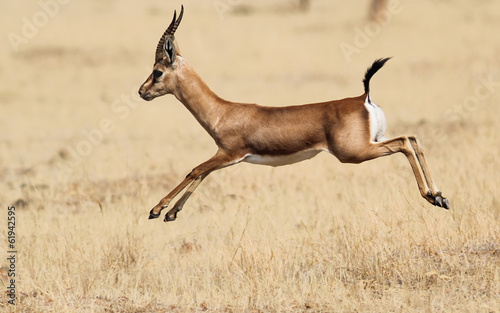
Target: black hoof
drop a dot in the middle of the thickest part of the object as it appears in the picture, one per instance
(446, 204)
(153, 215)
(169, 218)
(438, 201)
(441, 202)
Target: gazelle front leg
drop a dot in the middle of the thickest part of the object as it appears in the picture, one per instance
(219, 160)
(156, 211)
(172, 214)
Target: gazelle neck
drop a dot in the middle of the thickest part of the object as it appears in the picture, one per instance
(197, 97)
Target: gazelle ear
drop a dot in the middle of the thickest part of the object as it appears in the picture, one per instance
(169, 51)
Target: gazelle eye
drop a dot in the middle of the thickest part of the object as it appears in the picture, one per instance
(157, 74)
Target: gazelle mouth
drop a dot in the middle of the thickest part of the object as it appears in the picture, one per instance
(147, 97)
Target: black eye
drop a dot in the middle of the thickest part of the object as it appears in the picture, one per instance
(157, 74)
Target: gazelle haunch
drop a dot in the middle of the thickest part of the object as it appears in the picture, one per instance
(351, 129)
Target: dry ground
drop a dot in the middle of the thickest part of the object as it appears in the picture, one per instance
(83, 160)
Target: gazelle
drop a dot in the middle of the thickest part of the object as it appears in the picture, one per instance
(351, 129)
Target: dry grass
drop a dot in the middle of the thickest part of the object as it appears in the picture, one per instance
(318, 236)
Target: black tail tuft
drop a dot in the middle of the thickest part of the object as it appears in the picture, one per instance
(371, 71)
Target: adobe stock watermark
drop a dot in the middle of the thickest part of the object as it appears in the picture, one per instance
(74, 154)
(223, 6)
(484, 89)
(364, 36)
(31, 26)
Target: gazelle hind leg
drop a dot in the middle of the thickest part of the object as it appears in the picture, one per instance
(415, 156)
(417, 147)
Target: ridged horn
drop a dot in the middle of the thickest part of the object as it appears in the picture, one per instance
(160, 51)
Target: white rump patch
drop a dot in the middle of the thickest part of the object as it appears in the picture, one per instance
(278, 160)
(377, 121)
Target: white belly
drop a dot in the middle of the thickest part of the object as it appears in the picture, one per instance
(278, 160)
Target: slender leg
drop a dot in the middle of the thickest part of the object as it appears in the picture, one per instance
(402, 144)
(417, 147)
(219, 160)
(172, 214)
(421, 159)
(156, 211)
(410, 147)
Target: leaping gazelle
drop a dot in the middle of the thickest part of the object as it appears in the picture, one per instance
(351, 129)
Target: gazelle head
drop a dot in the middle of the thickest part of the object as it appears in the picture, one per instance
(163, 78)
